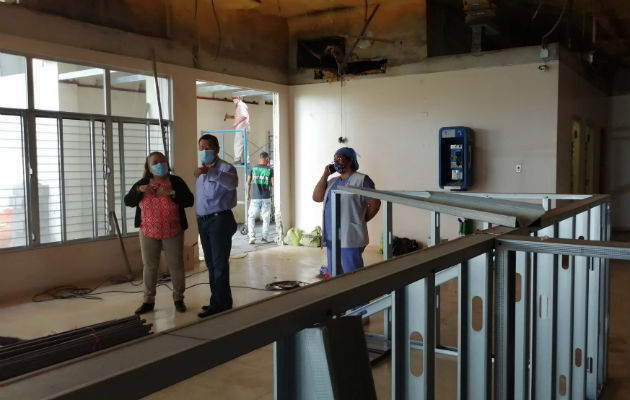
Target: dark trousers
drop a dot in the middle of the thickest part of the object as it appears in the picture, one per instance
(216, 241)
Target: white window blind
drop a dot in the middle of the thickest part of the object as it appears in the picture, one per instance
(12, 184)
(48, 157)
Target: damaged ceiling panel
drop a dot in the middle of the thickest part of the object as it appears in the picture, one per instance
(374, 38)
(597, 31)
(298, 8)
(231, 35)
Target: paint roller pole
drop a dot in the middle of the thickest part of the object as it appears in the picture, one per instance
(159, 103)
(112, 216)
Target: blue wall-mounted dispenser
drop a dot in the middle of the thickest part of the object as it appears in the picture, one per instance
(455, 146)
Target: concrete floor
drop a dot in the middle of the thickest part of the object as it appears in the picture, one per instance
(251, 376)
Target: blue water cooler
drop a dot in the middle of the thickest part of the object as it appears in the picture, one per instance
(455, 146)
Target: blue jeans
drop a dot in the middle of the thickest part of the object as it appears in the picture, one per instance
(262, 207)
(216, 240)
(351, 258)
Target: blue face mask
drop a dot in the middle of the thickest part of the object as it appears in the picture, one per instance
(160, 169)
(340, 167)
(206, 156)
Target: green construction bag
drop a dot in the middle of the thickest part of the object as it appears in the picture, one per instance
(313, 239)
(293, 237)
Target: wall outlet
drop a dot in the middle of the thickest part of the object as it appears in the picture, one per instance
(518, 168)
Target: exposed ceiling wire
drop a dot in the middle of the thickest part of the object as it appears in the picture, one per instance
(195, 49)
(216, 18)
(546, 36)
(537, 10)
(341, 106)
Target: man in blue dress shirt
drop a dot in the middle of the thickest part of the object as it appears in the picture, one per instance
(216, 182)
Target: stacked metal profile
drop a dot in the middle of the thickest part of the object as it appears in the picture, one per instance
(30, 355)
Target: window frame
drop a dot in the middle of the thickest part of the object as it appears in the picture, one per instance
(28, 119)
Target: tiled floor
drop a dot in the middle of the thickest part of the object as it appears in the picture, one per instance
(251, 376)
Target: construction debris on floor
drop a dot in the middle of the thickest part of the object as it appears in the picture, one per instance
(24, 356)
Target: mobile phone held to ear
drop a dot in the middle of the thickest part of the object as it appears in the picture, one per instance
(331, 168)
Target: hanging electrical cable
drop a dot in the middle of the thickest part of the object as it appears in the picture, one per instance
(544, 38)
(216, 18)
(540, 2)
(340, 108)
(195, 49)
(159, 103)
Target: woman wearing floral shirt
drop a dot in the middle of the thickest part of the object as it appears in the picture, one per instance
(160, 199)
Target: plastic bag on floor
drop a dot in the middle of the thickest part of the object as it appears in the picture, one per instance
(313, 239)
(293, 237)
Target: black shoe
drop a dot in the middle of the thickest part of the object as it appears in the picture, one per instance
(145, 308)
(208, 311)
(180, 306)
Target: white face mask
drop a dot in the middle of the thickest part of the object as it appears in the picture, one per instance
(235, 101)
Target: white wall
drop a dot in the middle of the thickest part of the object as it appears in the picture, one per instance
(393, 125)
(616, 179)
(210, 115)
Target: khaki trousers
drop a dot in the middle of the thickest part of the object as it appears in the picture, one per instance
(173, 252)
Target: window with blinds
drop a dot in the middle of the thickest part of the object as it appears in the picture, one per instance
(138, 141)
(12, 185)
(57, 167)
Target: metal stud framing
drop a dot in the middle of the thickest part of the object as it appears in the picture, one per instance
(537, 347)
(544, 323)
(580, 301)
(504, 323)
(474, 361)
(593, 334)
(522, 308)
(564, 319)
(523, 352)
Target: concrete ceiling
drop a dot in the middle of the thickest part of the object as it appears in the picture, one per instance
(297, 8)
(265, 32)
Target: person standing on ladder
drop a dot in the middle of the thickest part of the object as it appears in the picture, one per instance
(241, 121)
(259, 187)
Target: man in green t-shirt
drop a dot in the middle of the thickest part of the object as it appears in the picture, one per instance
(259, 187)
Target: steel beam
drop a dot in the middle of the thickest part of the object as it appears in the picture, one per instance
(584, 248)
(423, 203)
